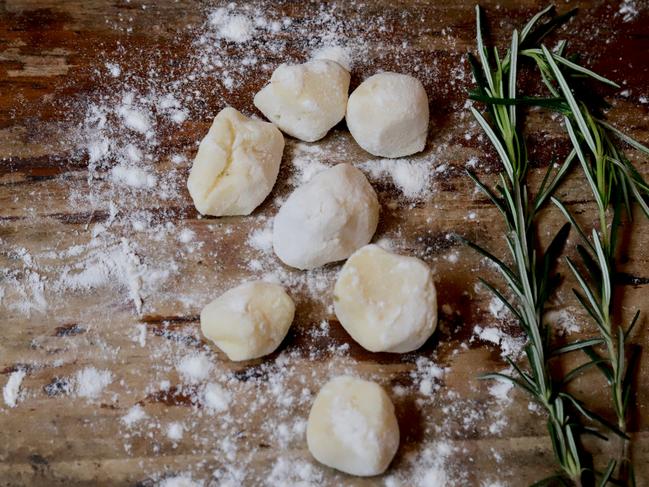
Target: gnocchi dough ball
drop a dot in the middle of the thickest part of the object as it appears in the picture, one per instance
(236, 166)
(388, 115)
(386, 302)
(305, 100)
(248, 321)
(352, 427)
(326, 219)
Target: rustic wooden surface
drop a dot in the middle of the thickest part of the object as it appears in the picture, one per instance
(50, 53)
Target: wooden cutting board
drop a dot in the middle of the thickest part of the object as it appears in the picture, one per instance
(105, 264)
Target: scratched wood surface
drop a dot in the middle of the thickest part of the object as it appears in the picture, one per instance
(50, 52)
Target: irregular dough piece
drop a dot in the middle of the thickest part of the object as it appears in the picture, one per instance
(352, 427)
(386, 302)
(326, 219)
(236, 166)
(248, 321)
(305, 100)
(388, 115)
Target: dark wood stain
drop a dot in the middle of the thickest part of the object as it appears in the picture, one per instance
(69, 330)
(169, 320)
(174, 396)
(631, 280)
(57, 386)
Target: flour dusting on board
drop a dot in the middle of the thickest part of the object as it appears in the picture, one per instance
(11, 390)
(122, 260)
(91, 382)
(412, 178)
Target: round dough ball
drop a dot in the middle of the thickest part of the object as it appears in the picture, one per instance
(236, 166)
(388, 115)
(326, 219)
(352, 427)
(248, 321)
(305, 100)
(386, 302)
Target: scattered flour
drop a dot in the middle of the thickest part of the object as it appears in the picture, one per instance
(140, 336)
(510, 346)
(113, 69)
(232, 27)
(216, 398)
(11, 390)
(500, 390)
(175, 431)
(628, 10)
(497, 307)
(452, 257)
(136, 180)
(134, 119)
(181, 480)
(91, 382)
(307, 161)
(133, 176)
(427, 376)
(410, 177)
(562, 321)
(262, 238)
(28, 288)
(133, 416)
(429, 468)
(195, 367)
(186, 235)
(294, 472)
(102, 266)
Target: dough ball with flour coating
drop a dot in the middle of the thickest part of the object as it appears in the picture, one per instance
(248, 321)
(305, 100)
(326, 219)
(386, 302)
(236, 166)
(352, 427)
(388, 115)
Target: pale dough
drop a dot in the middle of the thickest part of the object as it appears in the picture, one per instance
(388, 115)
(305, 100)
(352, 427)
(326, 219)
(236, 166)
(248, 321)
(386, 302)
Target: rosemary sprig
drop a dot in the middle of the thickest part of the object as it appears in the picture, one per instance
(613, 182)
(530, 278)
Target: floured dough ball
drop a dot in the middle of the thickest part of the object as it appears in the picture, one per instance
(248, 321)
(236, 166)
(326, 219)
(386, 302)
(305, 100)
(388, 115)
(352, 427)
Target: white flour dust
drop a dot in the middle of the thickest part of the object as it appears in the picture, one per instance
(133, 232)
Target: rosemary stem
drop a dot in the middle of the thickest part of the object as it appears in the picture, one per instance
(604, 232)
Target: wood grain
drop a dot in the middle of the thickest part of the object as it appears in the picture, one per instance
(50, 55)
